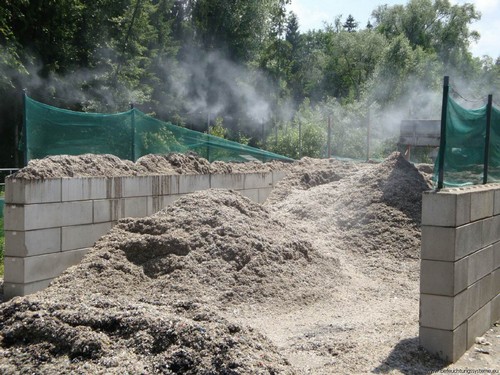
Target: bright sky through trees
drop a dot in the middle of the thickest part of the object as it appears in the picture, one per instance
(313, 13)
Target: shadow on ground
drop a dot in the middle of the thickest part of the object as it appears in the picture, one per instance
(410, 359)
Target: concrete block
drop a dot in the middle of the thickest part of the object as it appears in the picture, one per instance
(258, 180)
(496, 201)
(47, 215)
(491, 230)
(443, 278)
(438, 243)
(495, 277)
(40, 267)
(264, 193)
(278, 176)
(481, 204)
(478, 324)
(83, 236)
(438, 312)
(446, 344)
(445, 209)
(194, 182)
(165, 185)
(469, 238)
(476, 296)
(11, 290)
(33, 242)
(496, 255)
(75, 189)
(227, 181)
(158, 203)
(495, 309)
(114, 187)
(447, 313)
(252, 194)
(22, 191)
(480, 264)
(108, 210)
(137, 186)
(137, 207)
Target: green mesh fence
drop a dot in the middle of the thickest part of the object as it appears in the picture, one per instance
(465, 138)
(128, 135)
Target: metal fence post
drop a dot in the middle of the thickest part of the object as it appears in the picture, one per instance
(132, 130)
(489, 108)
(25, 130)
(442, 143)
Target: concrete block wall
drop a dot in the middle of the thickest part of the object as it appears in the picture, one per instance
(50, 224)
(460, 268)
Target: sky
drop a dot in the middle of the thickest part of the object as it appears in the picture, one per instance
(313, 13)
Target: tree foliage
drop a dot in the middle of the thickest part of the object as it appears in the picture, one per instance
(245, 62)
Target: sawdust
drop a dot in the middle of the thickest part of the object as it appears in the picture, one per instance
(322, 279)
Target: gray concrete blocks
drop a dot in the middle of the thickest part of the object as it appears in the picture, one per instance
(77, 189)
(258, 180)
(194, 182)
(40, 267)
(49, 224)
(481, 204)
(33, 242)
(82, 236)
(165, 185)
(448, 345)
(221, 181)
(20, 191)
(11, 290)
(460, 282)
(47, 215)
(496, 200)
(478, 324)
(443, 278)
(495, 309)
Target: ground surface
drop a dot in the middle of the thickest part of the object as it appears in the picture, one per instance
(322, 279)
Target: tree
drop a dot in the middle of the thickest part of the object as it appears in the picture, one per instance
(350, 24)
(434, 25)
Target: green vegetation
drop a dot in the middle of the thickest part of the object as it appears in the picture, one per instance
(243, 62)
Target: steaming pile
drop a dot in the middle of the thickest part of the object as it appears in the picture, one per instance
(90, 165)
(375, 208)
(216, 284)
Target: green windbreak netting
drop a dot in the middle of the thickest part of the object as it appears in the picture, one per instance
(465, 142)
(128, 135)
(464, 154)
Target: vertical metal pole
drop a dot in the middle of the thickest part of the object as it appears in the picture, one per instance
(300, 140)
(208, 136)
(132, 131)
(263, 130)
(25, 130)
(442, 142)
(368, 136)
(276, 134)
(489, 108)
(329, 141)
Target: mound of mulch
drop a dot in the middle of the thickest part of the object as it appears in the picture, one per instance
(368, 208)
(91, 165)
(148, 297)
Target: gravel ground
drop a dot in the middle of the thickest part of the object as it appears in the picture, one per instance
(322, 279)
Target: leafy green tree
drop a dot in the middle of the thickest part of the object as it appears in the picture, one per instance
(356, 58)
(434, 25)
